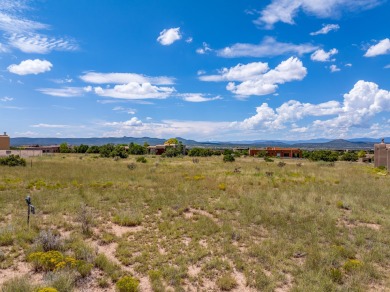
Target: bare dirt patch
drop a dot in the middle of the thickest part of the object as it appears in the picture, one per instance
(287, 284)
(348, 223)
(119, 231)
(20, 269)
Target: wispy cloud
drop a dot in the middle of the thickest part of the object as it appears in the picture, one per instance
(204, 49)
(49, 126)
(286, 10)
(167, 128)
(269, 47)
(198, 97)
(65, 91)
(41, 44)
(326, 29)
(25, 34)
(3, 48)
(6, 99)
(123, 78)
(11, 107)
(122, 109)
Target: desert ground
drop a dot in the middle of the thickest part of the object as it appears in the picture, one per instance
(184, 224)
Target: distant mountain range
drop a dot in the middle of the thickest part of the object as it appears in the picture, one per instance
(321, 143)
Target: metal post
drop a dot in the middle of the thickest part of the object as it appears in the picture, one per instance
(28, 216)
(28, 201)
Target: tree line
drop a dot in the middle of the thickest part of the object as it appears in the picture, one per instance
(124, 150)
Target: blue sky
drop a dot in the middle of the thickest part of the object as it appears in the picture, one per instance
(206, 70)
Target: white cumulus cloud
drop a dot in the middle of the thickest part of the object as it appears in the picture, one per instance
(134, 90)
(333, 68)
(169, 36)
(361, 104)
(381, 48)
(133, 122)
(288, 113)
(30, 67)
(322, 56)
(334, 119)
(326, 29)
(269, 47)
(256, 78)
(239, 72)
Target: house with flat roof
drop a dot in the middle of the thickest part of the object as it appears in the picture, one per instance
(277, 152)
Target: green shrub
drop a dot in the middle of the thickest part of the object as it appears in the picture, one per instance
(110, 268)
(155, 280)
(336, 275)
(128, 219)
(51, 260)
(104, 282)
(342, 205)
(131, 166)
(47, 241)
(222, 187)
(13, 160)
(63, 280)
(18, 284)
(228, 157)
(84, 268)
(349, 156)
(2, 256)
(55, 261)
(6, 237)
(107, 238)
(85, 217)
(226, 282)
(141, 159)
(352, 265)
(127, 284)
(82, 250)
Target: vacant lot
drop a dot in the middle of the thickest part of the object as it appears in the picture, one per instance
(184, 225)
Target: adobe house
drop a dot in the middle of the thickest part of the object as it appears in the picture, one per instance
(382, 155)
(278, 152)
(160, 149)
(5, 142)
(5, 149)
(45, 149)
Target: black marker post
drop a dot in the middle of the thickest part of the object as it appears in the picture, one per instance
(30, 208)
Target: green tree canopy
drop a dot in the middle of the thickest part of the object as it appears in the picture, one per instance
(171, 141)
(64, 148)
